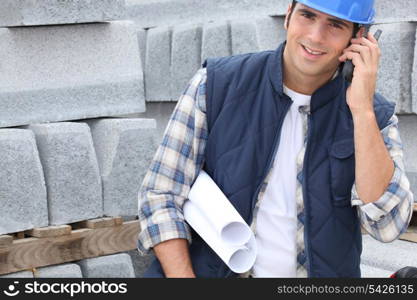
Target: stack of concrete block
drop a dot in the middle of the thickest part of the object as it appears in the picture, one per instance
(71, 71)
(59, 271)
(155, 13)
(22, 187)
(110, 266)
(71, 171)
(388, 256)
(85, 64)
(396, 63)
(174, 54)
(124, 149)
(44, 12)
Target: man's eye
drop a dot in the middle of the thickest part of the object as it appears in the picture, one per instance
(308, 16)
(336, 25)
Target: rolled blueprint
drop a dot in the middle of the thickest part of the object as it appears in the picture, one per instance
(213, 217)
(227, 222)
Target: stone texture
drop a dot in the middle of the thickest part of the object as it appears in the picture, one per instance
(140, 263)
(397, 47)
(71, 171)
(407, 126)
(124, 148)
(152, 13)
(161, 112)
(158, 65)
(244, 37)
(59, 271)
(395, 11)
(21, 274)
(388, 256)
(216, 40)
(22, 189)
(56, 73)
(372, 272)
(270, 32)
(110, 266)
(414, 78)
(142, 34)
(185, 57)
(48, 12)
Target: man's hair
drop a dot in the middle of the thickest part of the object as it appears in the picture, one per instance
(356, 26)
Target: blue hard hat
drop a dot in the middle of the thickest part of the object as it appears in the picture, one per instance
(356, 11)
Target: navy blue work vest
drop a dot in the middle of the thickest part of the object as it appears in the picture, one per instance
(246, 107)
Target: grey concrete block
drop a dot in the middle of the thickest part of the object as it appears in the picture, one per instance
(216, 40)
(270, 32)
(22, 187)
(71, 171)
(407, 125)
(185, 56)
(48, 12)
(388, 256)
(140, 263)
(21, 274)
(394, 74)
(124, 148)
(158, 64)
(372, 272)
(59, 271)
(161, 112)
(414, 79)
(142, 34)
(110, 266)
(395, 11)
(151, 13)
(244, 37)
(55, 73)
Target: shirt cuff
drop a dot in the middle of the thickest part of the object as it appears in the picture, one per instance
(158, 233)
(391, 198)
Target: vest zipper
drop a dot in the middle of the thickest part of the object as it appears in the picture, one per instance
(305, 199)
(271, 157)
(270, 160)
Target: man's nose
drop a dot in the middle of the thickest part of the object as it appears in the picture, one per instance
(317, 34)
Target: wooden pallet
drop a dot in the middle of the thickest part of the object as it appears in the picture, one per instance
(51, 245)
(411, 234)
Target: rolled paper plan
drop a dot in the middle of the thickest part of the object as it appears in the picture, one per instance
(227, 222)
(239, 258)
(214, 218)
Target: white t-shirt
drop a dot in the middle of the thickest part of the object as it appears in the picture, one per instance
(276, 225)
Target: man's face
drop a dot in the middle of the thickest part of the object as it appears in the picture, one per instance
(320, 32)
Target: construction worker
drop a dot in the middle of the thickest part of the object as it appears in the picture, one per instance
(304, 155)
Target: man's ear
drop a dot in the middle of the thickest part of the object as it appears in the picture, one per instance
(286, 17)
(360, 32)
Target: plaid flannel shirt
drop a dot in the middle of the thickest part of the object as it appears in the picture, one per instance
(180, 157)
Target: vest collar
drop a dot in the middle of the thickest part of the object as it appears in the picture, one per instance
(320, 97)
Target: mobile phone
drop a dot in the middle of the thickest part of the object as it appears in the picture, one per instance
(348, 67)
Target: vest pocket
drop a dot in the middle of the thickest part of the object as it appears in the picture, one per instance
(342, 171)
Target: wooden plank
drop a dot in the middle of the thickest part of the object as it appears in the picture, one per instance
(99, 223)
(20, 235)
(5, 240)
(50, 231)
(34, 252)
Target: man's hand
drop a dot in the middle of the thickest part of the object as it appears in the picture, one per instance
(365, 54)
